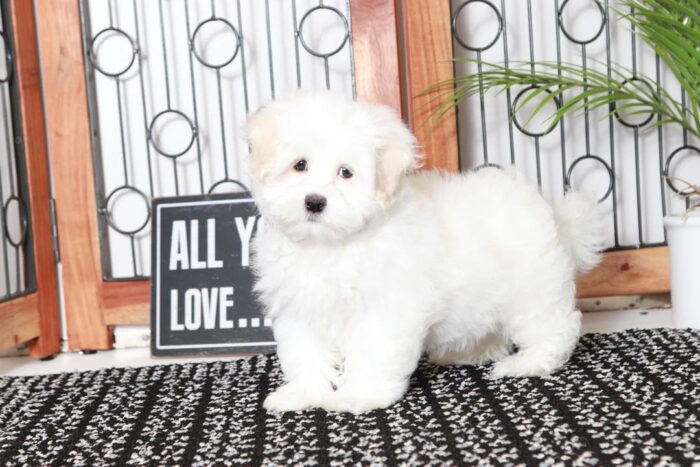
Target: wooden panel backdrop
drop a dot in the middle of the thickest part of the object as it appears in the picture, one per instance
(92, 304)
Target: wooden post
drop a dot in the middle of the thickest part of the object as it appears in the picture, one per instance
(376, 52)
(427, 38)
(30, 102)
(70, 154)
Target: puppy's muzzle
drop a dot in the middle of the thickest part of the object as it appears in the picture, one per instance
(315, 203)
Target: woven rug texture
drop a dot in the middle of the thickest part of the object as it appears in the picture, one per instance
(629, 398)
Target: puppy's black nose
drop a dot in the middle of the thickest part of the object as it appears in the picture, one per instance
(315, 203)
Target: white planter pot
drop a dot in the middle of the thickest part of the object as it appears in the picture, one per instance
(684, 249)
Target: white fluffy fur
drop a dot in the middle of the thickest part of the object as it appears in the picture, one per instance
(402, 263)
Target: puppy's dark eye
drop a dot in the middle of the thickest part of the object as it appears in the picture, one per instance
(300, 166)
(345, 172)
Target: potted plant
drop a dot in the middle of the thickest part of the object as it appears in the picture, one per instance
(672, 29)
(683, 235)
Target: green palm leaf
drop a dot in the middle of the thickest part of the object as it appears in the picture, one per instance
(670, 27)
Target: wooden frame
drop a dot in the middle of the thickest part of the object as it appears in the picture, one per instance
(33, 317)
(428, 37)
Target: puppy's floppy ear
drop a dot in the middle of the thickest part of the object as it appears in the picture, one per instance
(259, 132)
(397, 154)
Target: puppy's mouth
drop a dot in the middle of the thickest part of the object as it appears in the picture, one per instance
(313, 217)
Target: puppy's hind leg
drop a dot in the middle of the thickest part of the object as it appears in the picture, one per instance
(545, 338)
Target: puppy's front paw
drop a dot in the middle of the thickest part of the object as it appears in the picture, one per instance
(292, 397)
(358, 402)
(521, 365)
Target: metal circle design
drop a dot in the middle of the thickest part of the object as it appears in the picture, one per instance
(24, 222)
(300, 31)
(667, 167)
(108, 213)
(92, 55)
(225, 181)
(603, 20)
(611, 176)
(619, 117)
(176, 114)
(522, 127)
(487, 165)
(200, 57)
(459, 38)
(8, 59)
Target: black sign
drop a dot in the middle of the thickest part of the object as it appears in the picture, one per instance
(202, 285)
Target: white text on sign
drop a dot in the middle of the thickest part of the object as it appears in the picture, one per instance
(184, 248)
(203, 308)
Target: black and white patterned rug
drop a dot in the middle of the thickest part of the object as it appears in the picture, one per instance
(626, 398)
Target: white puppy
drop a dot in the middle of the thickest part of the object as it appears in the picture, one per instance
(364, 264)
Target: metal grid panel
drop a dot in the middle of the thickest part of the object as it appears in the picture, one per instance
(171, 81)
(16, 255)
(616, 160)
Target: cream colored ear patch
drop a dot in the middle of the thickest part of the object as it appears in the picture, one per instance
(396, 159)
(261, 135)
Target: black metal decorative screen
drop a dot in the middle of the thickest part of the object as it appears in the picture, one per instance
(171, 81)
(617, 159)
(16, 251)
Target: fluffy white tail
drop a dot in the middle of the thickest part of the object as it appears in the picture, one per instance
(581, 229)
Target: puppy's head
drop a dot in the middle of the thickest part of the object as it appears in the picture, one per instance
(323, 166)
